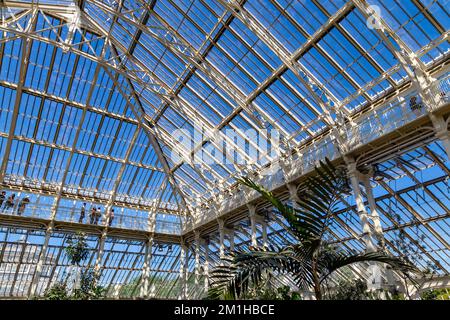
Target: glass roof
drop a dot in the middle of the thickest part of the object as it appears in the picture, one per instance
(95, 96)
(159, 67)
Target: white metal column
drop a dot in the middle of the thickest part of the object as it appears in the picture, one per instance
(206, 266)
(413, 66)
(362, 212)
(101, 247)
(264, 233)
(374, 281)
(41, 261)
(221, 224)
(374, 215)
(441, 131)
(145, 289)
(183, 271)
(252, 216)
(230, 233)
(293, 196)
(197, 257)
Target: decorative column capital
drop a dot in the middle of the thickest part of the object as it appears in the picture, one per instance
(197, 235)
(292, 191)
(351, 166)
(183, 244)
(251, 209)
(221, 223)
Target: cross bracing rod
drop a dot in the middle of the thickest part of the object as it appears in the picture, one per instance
(79, 129)
(190, 115)
(194, 57)
(180, 104)
(410, 62)
(47, 81)
(174, 43)
(223, 21)
(307, 79)
(323, 52)
(191, 55)
(129, 149)
(372, 108)
(413, 66)
(238, 150)
(122, 169)
(155, 145)
(200, 63)
(132, 74)
(153, 132)
(65, 101)
(414, 212)
(327, 102)
(78, 151)
(365, 53)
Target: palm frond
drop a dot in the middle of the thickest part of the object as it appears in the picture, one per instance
(308, 220)
(303, 230)
(243, 269)
(330, 261)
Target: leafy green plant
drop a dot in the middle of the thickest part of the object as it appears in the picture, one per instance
(355, 289)
(57, 292)
(89, 290)
(129, 289)
(436, 294)
(312, 259)
(266, 290)
(77, 249)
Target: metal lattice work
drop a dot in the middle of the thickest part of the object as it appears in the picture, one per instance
(96, 97)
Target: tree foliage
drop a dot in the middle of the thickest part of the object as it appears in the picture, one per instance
(312, 259)
(57, 292)
(77, 249)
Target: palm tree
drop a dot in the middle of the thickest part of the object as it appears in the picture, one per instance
(310, 261)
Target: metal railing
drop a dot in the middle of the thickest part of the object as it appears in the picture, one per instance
(32, 210)
(27, 182)
(168, 227)
(393, 115)
(384, 119)
(73, 214)
(440, 90)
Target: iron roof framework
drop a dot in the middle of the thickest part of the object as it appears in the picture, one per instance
(414, 203)
(92, 91)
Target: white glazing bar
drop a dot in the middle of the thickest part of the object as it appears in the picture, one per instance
(25, 46)
(293, 195)
(264, 233)
(100, 251)
(231, 238)
(441, 130)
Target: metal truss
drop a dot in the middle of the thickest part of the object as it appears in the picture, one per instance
(151, 60)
